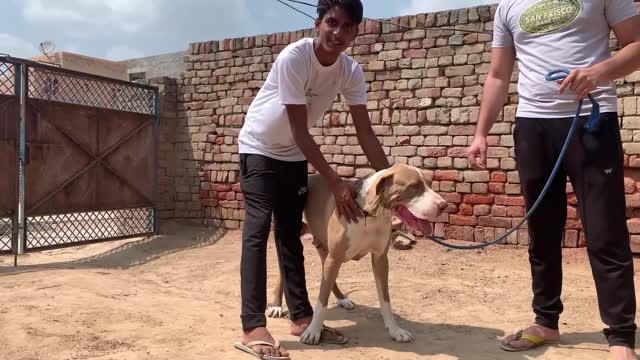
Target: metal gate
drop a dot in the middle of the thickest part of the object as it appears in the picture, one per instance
(82, 154)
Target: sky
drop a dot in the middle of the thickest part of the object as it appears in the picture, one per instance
(125, 29)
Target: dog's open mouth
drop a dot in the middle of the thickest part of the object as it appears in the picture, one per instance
(408, 218)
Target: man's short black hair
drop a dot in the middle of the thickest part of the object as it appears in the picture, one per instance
(353, 8)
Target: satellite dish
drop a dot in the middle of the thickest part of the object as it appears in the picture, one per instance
(47, 47)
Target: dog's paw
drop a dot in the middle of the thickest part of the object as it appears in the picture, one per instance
(346, 303)
(312, 335)
(275, 312)
(401, 335)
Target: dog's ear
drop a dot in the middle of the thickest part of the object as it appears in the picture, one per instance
(378, 192)
(427, 175)
(384, 183)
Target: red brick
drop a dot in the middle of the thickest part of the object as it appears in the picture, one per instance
(634, 226)
(478, 199)
(363, 50)
(493, 140)
(204, 194)
(466, 209)
(236, 188)
(451, 209)
(221, 187)
(209, 203)
(454, 232)
(571, 238)
(573, 224)
(572, 212)
(452, 198)
(572, 199)
(415, 53)
(220, 140)
(484, 234)
(451, 175)
(481, 210)
(509, 200)
(231, 196)
(437, 152)
(463, 220)
(500, 177)
(633, 200)
(499, 210)
(496, 188)
(582, 241)
(465, 233)
(629, 185)
(230, 204)
(221, 195)
(491, 221)
(457, 152)
(239, 197)
(515, 211)
(633, 213)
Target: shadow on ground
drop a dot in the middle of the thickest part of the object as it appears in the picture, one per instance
(174, 237)
(458, 341)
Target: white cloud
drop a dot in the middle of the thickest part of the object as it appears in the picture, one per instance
(95, 15)
(17, 47)
(426, 6)
(118, 53)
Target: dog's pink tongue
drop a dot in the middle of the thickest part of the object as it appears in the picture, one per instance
(411, 220)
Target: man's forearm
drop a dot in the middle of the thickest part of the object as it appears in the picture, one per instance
(314, 156)
(494, 95)
(626, 61)
(367, 137)
(373, 149)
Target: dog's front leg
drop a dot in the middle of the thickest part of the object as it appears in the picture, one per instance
(380, 266)
(330, 270)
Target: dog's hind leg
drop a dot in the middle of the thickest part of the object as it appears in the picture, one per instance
(380, 266)
(275, 309)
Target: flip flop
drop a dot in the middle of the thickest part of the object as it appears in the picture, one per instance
(247, 348)
(520, 335)
(332, 331)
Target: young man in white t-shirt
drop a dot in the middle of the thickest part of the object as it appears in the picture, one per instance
(567, 34)
(275, 146)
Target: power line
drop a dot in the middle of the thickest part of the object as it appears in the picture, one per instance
(393, 23)
(294, 8)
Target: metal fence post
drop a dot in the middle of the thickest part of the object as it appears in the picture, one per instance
(21, 87)
(154, 172)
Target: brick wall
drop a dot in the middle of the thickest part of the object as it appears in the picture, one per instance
(424, 95)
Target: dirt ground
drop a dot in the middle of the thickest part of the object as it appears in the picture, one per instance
(177, 296)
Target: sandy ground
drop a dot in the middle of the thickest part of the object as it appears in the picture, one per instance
(176, 296)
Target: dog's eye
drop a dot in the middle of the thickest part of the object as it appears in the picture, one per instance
(417, 187)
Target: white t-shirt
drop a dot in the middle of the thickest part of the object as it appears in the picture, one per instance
(558, 34)
(297, 78)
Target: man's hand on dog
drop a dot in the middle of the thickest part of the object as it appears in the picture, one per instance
(346, 205)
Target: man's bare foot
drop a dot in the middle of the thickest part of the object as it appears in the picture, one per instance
(262, 334)
(538, 331)
(622, 353)
(330, 335)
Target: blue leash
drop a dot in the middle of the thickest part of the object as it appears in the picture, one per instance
(590, 126)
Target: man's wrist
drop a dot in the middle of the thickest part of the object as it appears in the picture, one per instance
(333, 179)
(479, 135)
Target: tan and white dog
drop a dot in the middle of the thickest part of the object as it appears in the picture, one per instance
(401, 189)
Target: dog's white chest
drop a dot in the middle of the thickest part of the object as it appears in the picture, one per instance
(370, 235)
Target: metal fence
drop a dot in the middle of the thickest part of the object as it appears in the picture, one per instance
(81, 154)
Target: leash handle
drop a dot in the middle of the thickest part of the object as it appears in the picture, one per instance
(593, 124)
(558, 74)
